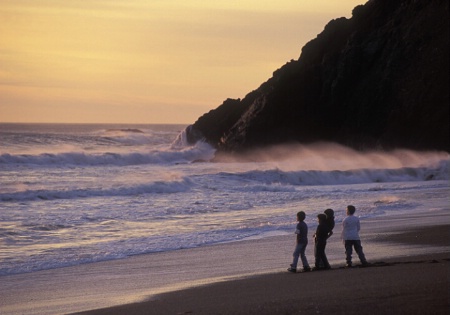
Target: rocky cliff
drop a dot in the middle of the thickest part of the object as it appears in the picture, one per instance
(377, 80)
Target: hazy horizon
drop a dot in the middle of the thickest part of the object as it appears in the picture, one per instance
(164, 62)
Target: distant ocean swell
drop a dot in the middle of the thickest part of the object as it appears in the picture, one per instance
(201, 151)
(256, 180)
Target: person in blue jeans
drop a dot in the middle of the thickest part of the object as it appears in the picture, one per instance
(350, 236)
(301, 242)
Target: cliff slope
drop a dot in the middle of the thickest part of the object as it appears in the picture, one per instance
(377, 80)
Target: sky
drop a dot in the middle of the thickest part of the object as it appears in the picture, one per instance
(146, 61)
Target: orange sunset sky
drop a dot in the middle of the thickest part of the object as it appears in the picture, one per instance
(145, 61)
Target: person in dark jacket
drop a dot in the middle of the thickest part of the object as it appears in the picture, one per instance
(330, 221)
(320, 238)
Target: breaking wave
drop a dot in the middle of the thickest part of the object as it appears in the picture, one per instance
(274, 180)
(201, 151)
(336, 177)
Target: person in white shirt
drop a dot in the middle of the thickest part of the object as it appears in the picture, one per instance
(350, 236)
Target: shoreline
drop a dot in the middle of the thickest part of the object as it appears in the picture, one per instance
(415, 284)
(107, 287)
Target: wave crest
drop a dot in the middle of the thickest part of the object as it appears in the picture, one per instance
(199, 152)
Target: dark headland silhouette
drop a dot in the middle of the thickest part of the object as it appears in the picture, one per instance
(379, 80)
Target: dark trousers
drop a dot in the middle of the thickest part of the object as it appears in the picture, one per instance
(321, 258)
(349, 245)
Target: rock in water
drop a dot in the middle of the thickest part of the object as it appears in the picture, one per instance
(377, 80)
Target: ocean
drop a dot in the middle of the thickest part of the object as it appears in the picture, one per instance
(73, 194)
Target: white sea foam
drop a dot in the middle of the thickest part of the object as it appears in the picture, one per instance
(332, 156)
(253, 181)
(200, 151)
(78, 194)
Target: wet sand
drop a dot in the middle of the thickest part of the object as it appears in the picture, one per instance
(415, 284)
(410, 257)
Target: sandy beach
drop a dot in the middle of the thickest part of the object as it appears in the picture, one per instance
(407, 285)
(409, 275)
(416, 286)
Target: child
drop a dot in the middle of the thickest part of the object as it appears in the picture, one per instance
(302, 242)
(350, 236)
(330, 221)
(330, 225)
(320, 243)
